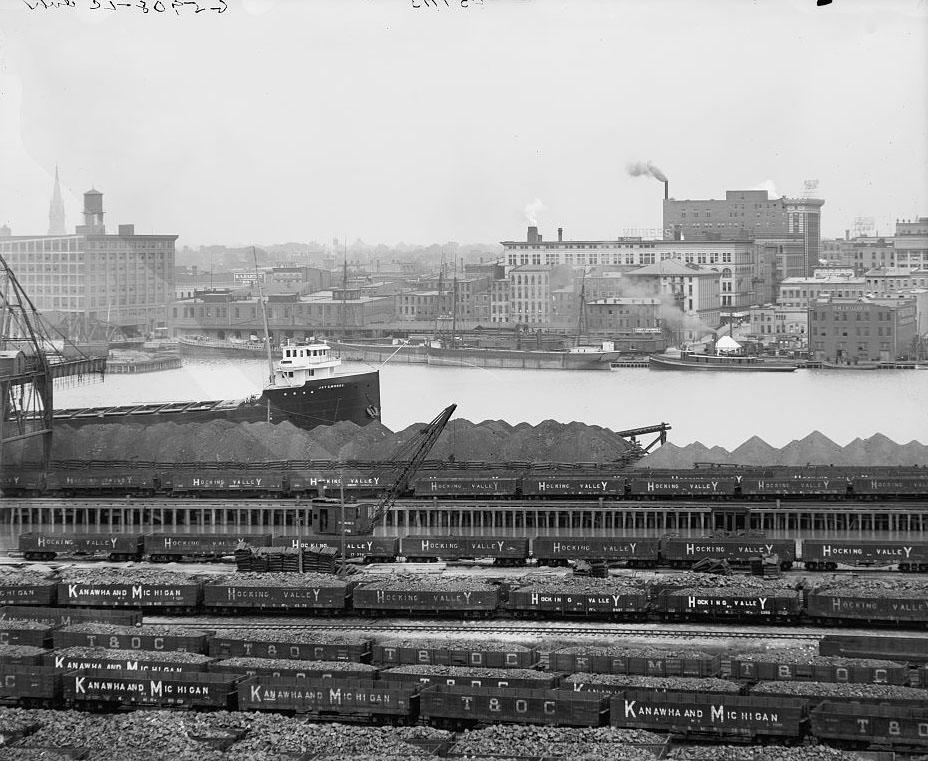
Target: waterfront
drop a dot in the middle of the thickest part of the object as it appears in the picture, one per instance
(717, 409)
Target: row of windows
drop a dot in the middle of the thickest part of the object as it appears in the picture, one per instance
(629, 258)
(60, 245)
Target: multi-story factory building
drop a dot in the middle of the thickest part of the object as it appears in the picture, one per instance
(852, 331)
(91, 282)
(791, 225)
(745, 270)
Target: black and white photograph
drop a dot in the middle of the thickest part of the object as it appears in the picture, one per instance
(468, 379)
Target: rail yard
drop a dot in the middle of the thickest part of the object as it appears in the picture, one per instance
(618, 612)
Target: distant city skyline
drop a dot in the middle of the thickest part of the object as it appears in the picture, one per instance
(284, 121)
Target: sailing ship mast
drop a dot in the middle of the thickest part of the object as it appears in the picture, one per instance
(267, 333)
(454, 304)
(344, 308)
(582, 308)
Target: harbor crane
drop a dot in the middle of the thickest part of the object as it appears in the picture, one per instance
(363, 518)
(33, 355)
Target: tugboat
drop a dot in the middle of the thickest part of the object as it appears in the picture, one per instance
(727, 356)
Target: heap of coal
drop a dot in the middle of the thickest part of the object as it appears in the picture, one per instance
(814, 449)
(223, 441)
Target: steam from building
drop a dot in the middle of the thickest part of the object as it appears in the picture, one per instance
(673, 318)
(532, 210)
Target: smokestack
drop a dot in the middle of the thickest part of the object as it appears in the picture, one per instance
(533, 234)
(560, 235)
(666, 189)
(847, 235)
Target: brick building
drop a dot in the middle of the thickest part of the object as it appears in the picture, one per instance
(854, 331)
(792, 226)
(91, 282)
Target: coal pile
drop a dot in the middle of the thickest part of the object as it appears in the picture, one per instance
(814, 449)
(225, 441)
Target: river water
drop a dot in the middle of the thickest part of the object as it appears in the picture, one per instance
(717, 409)
(723, 409)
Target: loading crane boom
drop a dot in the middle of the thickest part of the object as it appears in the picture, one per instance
(420, 445)
(367, 517)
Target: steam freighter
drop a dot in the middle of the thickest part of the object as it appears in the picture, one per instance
(306, 387)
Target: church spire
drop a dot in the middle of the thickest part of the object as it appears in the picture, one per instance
(56, 210)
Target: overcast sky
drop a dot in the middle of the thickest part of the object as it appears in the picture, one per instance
(313, 119)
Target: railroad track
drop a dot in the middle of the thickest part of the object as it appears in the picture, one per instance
(534, 629)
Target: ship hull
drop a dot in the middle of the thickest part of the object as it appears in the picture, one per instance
(522, 360)
(354, 397)
(714, 365)
(212, 348)
(395, 353)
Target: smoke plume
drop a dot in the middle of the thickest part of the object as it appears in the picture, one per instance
(639, 168)
(673, 318)
(532, 210)
(769, 187)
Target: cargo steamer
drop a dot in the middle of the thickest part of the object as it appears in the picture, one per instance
(306, 387)
(687, 360)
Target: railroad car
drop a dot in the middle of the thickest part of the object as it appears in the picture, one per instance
(331, 699)
(618, 604)
(775, 606)
(213, 485)
(890, 487)
(113, 546)
(66, 616)
(826, 555)
(573, 487)
(871, 724)
(576, 659)
(361, 673)
(30, 686)
(67, 660)
(457, 653)
(306, 649)
(682, 553)
(230, 598)
(635, 552)
(29, 633)
(178, 690)
(186, 641)
(369, 549)
(461, 707)
(684, 485)
(165, 548)
(495, 488)
(504, 550)
(830, 606)
(721, 717)
(470, 676)
(376, 601)
(842, 672)
(23, 483)
(185, 595)
(804, 487)
(83, 482)
(912, 650)
(38, 593)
